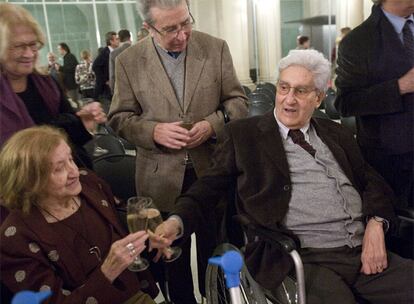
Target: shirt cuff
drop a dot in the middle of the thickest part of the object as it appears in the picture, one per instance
(385, 223)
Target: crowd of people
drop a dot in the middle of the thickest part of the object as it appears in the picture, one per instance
(176, 97)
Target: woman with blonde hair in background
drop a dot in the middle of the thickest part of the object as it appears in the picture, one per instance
(29, 98)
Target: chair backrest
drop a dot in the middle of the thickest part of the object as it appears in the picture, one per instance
(320, 114)
(330, 109)
(267, 85)
(259, 108)
(350, 123)
(119, 172)
(266, 91)
(247, 90)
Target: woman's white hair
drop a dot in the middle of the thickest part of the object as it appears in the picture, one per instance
(311, 60)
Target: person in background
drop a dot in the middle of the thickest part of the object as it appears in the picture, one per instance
(51, 67)
(142, 33)
(375, 83)
(67, 71)
(101, 68)
(308, 179)
(49, 239)
(302, 42)
(172, 76)
(84, 76)
(125, 42)
(27, 97)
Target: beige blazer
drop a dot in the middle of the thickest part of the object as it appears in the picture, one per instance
(144, 96)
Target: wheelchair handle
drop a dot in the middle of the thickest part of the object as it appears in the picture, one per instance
(231, 262)
(30, 297)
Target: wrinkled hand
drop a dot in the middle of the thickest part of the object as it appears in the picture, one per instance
(120, 257)
(199, 133)
(163, 237)
(374, 254)
(92, 114)
(171, 135)
(406, 82)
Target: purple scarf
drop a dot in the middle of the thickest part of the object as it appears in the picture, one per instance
(13, 112)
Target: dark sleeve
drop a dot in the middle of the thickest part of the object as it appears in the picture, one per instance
(26, 266)
(204, 195)
(358, 94)
(69, 65)
(72, 124)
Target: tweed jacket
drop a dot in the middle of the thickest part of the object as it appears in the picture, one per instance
(371, 59)
(144, 96)
(34, 256)
(252, 156)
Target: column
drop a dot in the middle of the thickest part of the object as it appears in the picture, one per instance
(349, 13)
(268, 38)
(227, 20)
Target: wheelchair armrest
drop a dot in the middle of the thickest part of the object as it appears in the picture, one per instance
(275, 237)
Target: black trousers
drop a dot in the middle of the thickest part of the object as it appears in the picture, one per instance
(178, 273)
(333, 276)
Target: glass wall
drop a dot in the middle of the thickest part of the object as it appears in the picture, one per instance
(82, 24)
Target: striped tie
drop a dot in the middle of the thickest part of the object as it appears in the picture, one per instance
(299, 139)
(408, 39)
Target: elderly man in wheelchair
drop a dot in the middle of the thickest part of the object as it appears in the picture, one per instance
(305, 177)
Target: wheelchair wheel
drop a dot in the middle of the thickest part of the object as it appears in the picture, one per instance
(216, 291)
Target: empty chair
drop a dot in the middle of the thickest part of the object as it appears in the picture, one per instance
(350, 123)
(330, 109)
(267, 85)
(119, 172)
(266, 91)
(108, 142)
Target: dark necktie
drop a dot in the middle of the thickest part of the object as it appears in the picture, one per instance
(299, 138)
(408, 39)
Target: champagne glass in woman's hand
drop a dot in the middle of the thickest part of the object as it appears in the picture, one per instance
(154, 220)
(137, 220)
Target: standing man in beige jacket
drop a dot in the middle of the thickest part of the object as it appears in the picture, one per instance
(174, 74)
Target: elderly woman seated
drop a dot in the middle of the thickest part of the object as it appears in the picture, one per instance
(62, 232)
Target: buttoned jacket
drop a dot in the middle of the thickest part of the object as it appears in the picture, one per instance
(252, 156)
(144, 96)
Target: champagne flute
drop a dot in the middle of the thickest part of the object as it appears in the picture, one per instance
(97, 151)
(154, 219)
(187, 123)
(137, 221)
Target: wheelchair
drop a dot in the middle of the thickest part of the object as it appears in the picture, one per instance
(290, 291)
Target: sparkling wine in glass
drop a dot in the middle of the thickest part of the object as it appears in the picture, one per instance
(137, 221)
(187, 122)
(154, 220)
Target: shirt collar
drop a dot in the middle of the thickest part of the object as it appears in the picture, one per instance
(110, 48)
(285, 130)
(397, 21)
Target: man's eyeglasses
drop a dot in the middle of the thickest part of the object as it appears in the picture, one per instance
(20, 48)
(300, 92)
(172, 31)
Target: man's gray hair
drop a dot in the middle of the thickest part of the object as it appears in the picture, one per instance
(378, 2)
(311, 60)
(144, 7)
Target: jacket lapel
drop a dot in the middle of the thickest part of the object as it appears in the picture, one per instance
(156, 72)
(271, 142)
(195, 60)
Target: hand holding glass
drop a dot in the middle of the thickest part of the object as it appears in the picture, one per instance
(154, 220)
(137, 221)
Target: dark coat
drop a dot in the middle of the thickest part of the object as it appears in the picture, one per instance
(252, 156)
(101, 69)
(30, 245)
(371, 58)
(68, 71)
